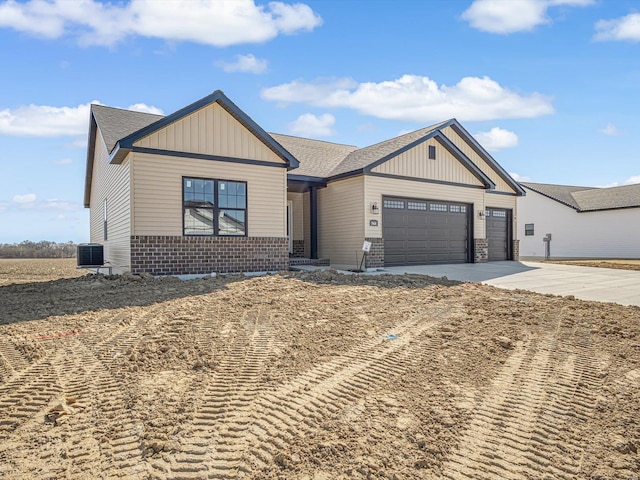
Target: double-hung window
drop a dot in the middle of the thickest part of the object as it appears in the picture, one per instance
(214, 207)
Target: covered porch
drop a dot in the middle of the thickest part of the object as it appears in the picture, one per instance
(302, 219)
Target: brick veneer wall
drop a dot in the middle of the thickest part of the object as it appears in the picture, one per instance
(298, 248)
(375, 257)
(171, 255)
(516, 250)
(481, 250)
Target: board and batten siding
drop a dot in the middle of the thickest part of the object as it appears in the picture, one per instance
(415, 163)
(297, 215)
(211, 131)
(111, 182)
(377, 187)
(341, 222)
(464, 146)
(599, 234)
(157, 193)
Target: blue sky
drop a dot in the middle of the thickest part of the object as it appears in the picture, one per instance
(550, 87)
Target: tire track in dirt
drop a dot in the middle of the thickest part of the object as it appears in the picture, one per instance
(215, 437)
(88, 381)
(11, 360)
(520, 429)
(296, 408)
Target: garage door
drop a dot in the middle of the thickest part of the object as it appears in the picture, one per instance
(420, 232)
(497, 221)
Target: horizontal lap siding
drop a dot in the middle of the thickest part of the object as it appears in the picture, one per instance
(341, 220)
(462, 144)
(211, 131)
(377, 187)
(158, 193)
(416, 163)
(111, 182)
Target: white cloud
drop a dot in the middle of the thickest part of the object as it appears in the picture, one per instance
(313, 126)
(62, 161)
(45, 120)
(48, 121)
(519, 178)
(623, 28)
(144, 108)
(24, 199)
(629, 181)
(610, 130)
(508, 16)
(245, 63)
(497, 139)
(211, 22)
(415, 98)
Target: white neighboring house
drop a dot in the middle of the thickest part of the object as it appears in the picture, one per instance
(584, 222)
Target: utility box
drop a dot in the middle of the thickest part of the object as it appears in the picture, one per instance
(90, 255)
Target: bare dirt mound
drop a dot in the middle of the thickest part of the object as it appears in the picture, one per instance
(314, 376)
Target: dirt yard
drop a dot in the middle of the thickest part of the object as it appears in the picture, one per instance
(314, 376)
(624, 264)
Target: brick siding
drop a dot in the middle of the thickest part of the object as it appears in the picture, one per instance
(375, 257)
(516, 250)
(298, 249)
(481, 250)
(172, 255)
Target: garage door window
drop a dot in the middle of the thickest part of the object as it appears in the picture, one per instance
(438, 207)
(458, 208)
(393, 204)
(417, 205)
(499, 213)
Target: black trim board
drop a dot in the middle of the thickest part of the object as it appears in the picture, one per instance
(460, 130)
(91, 150)
(202, 156)
(466, 161)
(125, 144)
(496, 192)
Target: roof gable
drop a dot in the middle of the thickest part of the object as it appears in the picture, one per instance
(589, 199)
(125, 144)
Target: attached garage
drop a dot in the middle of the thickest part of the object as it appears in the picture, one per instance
(498, 222)
(420, 232)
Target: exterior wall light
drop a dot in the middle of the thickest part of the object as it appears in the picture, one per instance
(374, 208)
(480, 213)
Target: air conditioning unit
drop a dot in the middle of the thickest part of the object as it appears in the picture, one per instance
(90, 255)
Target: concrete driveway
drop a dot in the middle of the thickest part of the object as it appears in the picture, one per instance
(587, 283)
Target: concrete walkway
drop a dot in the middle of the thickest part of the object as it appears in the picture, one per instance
(587, 283)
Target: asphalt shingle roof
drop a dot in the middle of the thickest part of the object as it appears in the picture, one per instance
(588, 199)
(116, 123)
(317, 158)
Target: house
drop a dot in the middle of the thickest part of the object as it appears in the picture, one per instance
(584, 222)
(206, 189)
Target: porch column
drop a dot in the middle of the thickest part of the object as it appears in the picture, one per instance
(313, 228)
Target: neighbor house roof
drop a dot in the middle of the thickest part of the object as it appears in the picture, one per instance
(589, 199)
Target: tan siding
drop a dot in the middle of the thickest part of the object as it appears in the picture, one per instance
(341, 221)
(297, 215)
(415, 163)
(111, 182)
(158, 193)
(376, 187)
(211, 131)
(459, 142)
(505, 201)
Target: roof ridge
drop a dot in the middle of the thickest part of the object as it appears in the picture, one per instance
(428, 127)
(126, 110)
(313, 139)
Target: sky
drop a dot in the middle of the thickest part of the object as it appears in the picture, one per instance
(551, 88)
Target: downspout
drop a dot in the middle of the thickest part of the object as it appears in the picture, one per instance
(313, 228)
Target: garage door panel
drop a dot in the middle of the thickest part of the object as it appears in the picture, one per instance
(423, 232)
(497, 223)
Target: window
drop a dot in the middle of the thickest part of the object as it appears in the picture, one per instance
(417, 205)
(432, 152)
(499, 213)
(393, 204)
(104, 219)
(438, 207)
(458, 208)
(528, 229)
(214, 207)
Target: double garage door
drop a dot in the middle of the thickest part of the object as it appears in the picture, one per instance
(421, 232)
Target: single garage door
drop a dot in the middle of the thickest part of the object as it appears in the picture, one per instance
(497, 222)
(420, 232)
